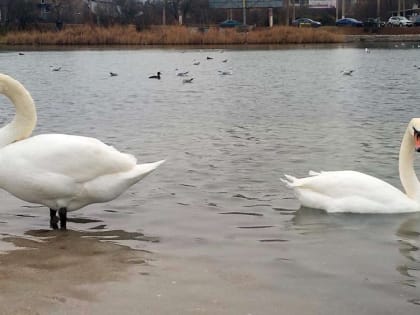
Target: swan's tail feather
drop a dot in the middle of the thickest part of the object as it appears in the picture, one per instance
(108, 187)
(289, 180)
(147, 168)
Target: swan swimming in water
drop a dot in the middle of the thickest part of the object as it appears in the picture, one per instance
(62, 172)
(350, 191)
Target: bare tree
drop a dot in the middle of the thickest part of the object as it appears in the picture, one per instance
(22, 13)
(179, 7)
(57, 7)
(129, 10)
(369, 8)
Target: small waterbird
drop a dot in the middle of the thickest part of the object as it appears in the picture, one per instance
(182, 74)
(348, 72)
(157, 76)
(188, 80)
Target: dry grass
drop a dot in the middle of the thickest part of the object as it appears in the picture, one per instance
(170, 35)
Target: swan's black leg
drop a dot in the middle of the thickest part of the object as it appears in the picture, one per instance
(63, 218)
(53, 219)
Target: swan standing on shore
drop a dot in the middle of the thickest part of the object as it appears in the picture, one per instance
(62, 172)
(350, 191)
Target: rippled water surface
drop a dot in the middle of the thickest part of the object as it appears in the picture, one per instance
(228, 139)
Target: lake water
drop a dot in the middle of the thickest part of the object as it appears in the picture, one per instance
(228, 139)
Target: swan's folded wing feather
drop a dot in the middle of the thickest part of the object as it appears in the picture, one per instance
(80, 158)
(345, 184)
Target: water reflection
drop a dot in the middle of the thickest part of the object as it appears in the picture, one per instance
(408, 245)
(374, 236)
(57, 266)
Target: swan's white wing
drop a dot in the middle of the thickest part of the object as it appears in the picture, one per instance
(80, 158)
(349, 191)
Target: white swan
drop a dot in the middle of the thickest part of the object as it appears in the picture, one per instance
(350, 191)
(62, 172)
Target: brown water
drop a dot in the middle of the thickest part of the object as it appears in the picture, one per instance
(217, 204)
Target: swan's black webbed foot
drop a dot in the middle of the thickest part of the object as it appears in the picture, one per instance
(63, 218)
(53, 219)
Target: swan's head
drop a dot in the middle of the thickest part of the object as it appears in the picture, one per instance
(414, 129)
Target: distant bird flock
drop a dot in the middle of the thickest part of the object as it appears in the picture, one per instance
(187, 76)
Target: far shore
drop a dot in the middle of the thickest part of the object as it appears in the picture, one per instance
(381, 38)
(117, 35)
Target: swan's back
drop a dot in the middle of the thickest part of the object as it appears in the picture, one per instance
(82, 158)
(350, 191)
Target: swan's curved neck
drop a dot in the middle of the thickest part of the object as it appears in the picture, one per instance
(406, 168)
(24, 121)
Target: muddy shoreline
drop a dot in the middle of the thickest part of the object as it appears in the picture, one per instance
(49, 269)
(70, 272)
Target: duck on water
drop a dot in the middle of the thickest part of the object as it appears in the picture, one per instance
(62, 172)
(157, 76)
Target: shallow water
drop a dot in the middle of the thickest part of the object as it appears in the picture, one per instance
(228, 139)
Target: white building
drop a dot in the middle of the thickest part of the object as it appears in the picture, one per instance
(322, 3)
(97, 6)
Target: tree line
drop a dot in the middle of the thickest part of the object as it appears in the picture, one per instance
(24, 14)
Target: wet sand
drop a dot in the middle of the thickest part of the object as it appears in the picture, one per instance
(55, 272)
(50, 270)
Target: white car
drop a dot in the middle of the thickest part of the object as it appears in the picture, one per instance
(399, 21)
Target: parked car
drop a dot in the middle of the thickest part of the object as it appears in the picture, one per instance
(349, 22)
(302, 22)
(372, 25)
(417, 21)
(399, 21)
(230, 23)
(376, 22)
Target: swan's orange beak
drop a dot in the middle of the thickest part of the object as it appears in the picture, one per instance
(416, 140)
(417, 143)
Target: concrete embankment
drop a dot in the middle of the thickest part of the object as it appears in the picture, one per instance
(382, 38)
